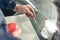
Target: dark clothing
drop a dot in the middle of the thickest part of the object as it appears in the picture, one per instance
(3, 24)
(7, 7)
(8, 12)
(7, 4)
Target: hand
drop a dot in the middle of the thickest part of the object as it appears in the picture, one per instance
(27, 9)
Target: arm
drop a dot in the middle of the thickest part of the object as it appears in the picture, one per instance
(27, 9)
(11, 5)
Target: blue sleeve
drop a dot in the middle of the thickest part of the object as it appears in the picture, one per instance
(7, 4)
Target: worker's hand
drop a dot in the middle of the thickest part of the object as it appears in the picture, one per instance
(27, 9)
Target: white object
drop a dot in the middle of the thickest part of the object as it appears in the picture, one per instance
(49, 29)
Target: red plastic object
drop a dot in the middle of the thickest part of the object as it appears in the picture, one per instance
(11, 27)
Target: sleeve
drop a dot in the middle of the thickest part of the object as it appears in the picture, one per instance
(7, 4)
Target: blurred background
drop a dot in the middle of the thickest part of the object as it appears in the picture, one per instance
(45, 11)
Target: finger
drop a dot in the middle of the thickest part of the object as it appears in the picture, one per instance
(28, 16)
(31, 9)
(30, 13)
